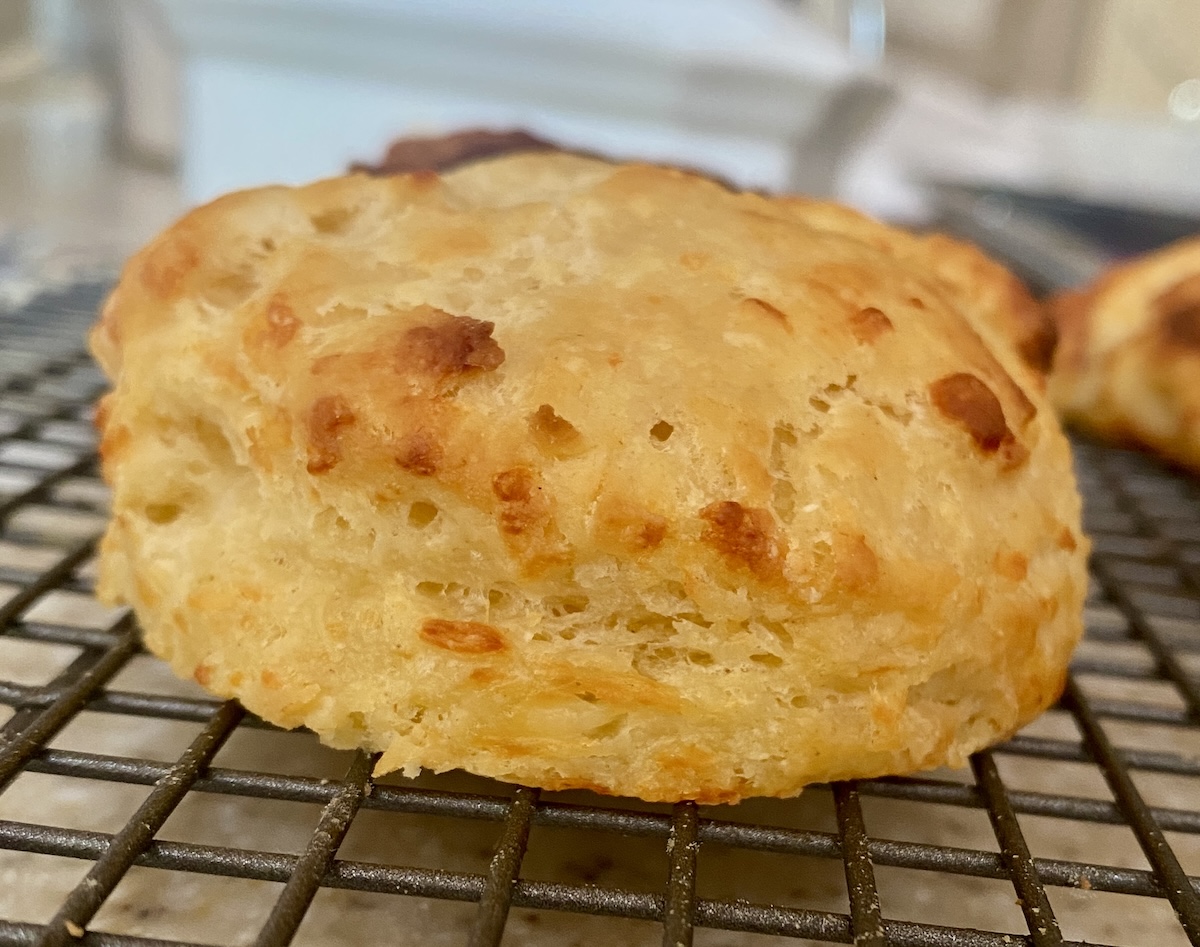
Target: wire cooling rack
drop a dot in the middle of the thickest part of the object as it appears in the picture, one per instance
(1094, 812)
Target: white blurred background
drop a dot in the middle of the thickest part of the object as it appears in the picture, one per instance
(120, 112)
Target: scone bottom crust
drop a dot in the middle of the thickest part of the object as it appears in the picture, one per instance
(585, 475)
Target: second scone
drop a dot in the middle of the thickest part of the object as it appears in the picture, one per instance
(589, 475)
(1129, 366)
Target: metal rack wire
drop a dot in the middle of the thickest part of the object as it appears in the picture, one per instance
(1144, 632)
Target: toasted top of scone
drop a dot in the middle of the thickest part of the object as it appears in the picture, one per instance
(338, 231)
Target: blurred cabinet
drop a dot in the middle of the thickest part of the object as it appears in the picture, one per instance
(1028, 48)
(1142, 51)
(14, 23)
(1108, 55)
(288, 90)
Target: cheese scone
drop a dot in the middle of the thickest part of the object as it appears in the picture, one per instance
(1128, 368)
(590, 475)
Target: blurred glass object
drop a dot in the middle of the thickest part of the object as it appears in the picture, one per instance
(868, 28)
(1143, 50)
(16, 49)
(148, 79)
(860, 24)
(748, 89)
(54, 112)
(67, 206)
(1184, 101)
(1016, 48)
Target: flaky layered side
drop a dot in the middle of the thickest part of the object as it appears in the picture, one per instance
(589, 475)
(1129, 365)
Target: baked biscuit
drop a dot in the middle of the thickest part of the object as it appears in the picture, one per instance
(584, 475)
(1128, 368)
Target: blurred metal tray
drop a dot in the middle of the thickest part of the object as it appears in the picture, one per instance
(1055, 242)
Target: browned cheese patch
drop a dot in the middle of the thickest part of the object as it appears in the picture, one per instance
(744, 536)
(629, 526)
(1020, 410)
(1183, 328)
(1179, 310)
(484, 676)
(514, 485)
(523, 504)
(1011, 564)
(1039, 342)
(448, 348)
(553, 434)
(327, 420)
(526, 519)
(691, 766)
(1066, 540)
(867, 325)
(419, 452)
(463, 637)
(973, 406)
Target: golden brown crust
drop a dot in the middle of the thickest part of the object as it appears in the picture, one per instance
(1129, 365)
(968, 402)
(746, 538)
(1001, 303)
(1014, 309)
(1178, 314)
(463, 637)
(589, 475)
(869, 324)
